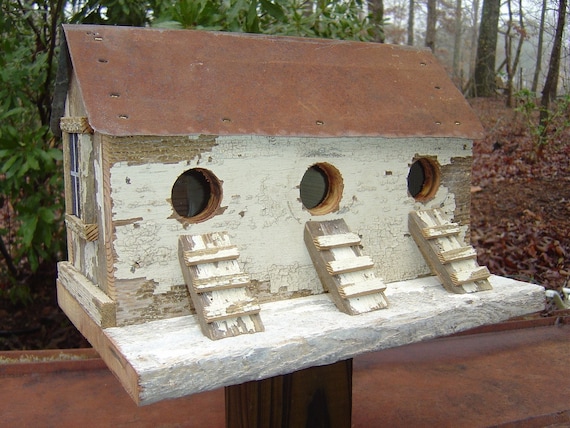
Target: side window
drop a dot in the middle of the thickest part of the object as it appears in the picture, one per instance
(74, 174)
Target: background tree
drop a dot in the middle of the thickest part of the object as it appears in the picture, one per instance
(457, 40)
(511, 62)
(484, 77)
(411, 7)
(431, 24)
(376, 8)
(540, 44)
(474, 37)
(551, 83)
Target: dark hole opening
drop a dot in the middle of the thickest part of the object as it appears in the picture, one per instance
(416, 179)
(191, 193)
(314, 187)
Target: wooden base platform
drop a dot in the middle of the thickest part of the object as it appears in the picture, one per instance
(171, 358)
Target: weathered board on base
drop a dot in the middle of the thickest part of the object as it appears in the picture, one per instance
(171, 358)
(446, 253)
(217, 286)
(345, 272)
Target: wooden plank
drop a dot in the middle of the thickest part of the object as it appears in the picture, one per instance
(368, 302)
(464, 277)
(192, 258)
(363, 288)
(456, 254)
(344, 271)
(223, 304)
(205, 241)
(432, 232)
(315, 397)
(75, 125)
(230, 327)
(87, 231)
(173, 358)
(326, 242)
(109, 236)
(207, 248)
(220, 282)
(456, 268)
(336, 267)
(117, 362)
(94, 301)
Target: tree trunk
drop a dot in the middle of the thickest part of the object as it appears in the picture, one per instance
(522, 37)
(538, 67)
(457, 42)
(431, 24)
(512, 63)
(508, 55)
(411, 22)
(486, 49)
(474, 34)
(376, 8)
(551, 83)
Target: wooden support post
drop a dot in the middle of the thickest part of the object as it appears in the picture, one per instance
(317, 397)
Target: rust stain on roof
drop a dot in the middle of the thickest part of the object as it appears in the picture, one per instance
(140, 81)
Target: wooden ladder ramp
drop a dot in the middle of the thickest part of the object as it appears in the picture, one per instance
(344, 271)
(218, 288)
(447, 254)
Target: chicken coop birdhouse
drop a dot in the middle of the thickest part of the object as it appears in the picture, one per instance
(243, 206)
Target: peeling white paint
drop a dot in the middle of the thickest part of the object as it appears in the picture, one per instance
(263, 213)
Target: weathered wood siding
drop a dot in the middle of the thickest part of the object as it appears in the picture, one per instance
(261, 207)
(86, 255)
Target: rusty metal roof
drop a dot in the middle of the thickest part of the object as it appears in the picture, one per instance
(140, 81)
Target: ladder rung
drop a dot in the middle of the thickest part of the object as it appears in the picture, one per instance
(363, 288)
(210, 255)
(457, 254)
(441, 230)
(326, 242)
(202, 285)
(460, 278)
(233, 310)
(336, 267)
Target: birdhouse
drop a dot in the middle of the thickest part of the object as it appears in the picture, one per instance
(300, 200)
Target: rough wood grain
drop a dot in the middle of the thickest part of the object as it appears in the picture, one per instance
(217, 286)
(94, 301)
(314, 397)
(172, 358)
(447, 254)
(344, 271)
(117, 362)
(106, 219)
(326, 242)
(86, 231)
(75, 125)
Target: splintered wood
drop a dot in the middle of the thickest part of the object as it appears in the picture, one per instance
(217, 286)
(344, 271)
(449, 257)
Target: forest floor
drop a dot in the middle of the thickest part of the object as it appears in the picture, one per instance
(520, 218)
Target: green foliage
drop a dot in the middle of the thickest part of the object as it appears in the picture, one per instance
(545, 131)
(31, 185)
(113, 12)
(327, 19)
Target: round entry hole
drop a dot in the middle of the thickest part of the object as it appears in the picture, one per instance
(196, 194)
(321, 188)
(423, 179)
